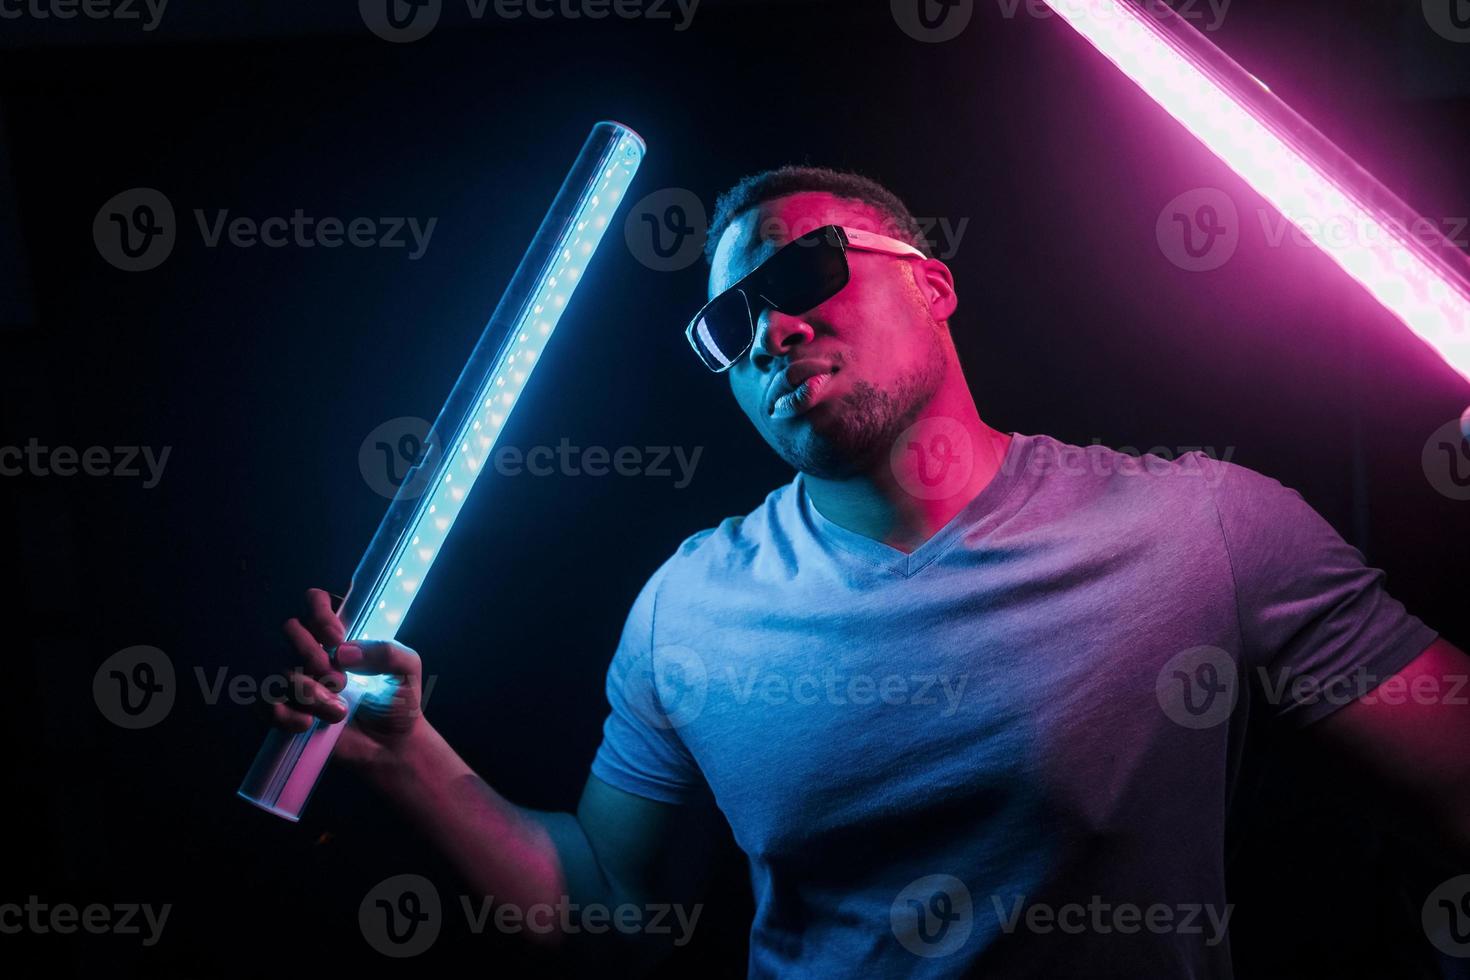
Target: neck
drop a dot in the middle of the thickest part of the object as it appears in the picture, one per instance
(907, 496)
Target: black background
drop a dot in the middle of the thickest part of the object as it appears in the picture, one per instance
(264, 369)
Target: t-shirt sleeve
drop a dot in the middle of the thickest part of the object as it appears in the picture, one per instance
(641, 751)
(1318, 627)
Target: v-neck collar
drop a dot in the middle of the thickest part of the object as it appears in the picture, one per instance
(1007, 477)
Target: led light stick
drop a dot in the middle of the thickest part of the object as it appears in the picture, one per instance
(418, 521)
(1399, 257)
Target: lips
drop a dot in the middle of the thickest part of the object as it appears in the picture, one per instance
(798, 388)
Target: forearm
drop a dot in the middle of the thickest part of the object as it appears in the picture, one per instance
(515, 856)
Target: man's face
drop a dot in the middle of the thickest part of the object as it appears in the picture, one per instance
(862, 365)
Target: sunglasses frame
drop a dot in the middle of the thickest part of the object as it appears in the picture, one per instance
(748, 287)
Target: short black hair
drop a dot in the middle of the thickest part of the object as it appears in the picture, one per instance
(782, 181)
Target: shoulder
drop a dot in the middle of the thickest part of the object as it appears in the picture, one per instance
(735, 542)
(1187, 474)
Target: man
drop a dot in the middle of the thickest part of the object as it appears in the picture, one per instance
(970, 701)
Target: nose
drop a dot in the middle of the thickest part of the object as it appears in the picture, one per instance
(777, 335)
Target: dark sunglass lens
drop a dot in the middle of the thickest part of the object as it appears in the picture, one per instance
(723, 331)
(805, 274)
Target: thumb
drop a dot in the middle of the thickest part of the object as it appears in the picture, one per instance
(377, 657)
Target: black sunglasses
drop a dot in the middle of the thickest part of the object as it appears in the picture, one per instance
(803, 274)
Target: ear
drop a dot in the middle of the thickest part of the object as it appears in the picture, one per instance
(936, 286)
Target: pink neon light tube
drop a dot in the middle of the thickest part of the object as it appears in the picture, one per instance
(1402, 260)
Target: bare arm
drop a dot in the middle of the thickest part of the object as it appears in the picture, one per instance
(617, 849)
(1411, 735)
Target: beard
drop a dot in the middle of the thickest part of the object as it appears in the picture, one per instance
(863, 424)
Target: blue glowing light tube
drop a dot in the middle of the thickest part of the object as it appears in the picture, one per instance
(393, 570)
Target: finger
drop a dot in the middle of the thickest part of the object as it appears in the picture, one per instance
(288, 719)
(378, 657)
(321, 620)
(313, 657)
(306, 647)
(313, 697)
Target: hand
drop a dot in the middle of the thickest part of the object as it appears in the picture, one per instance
(383, 723)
